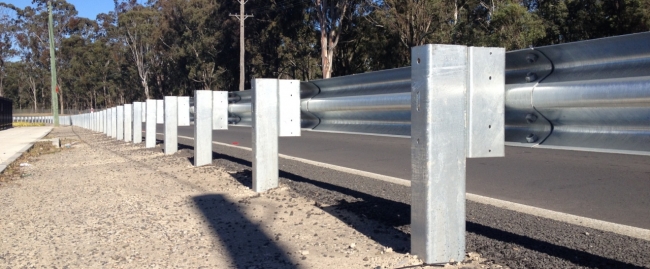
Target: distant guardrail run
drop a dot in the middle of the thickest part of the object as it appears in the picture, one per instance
(588, 95)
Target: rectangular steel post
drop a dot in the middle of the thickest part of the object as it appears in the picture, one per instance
(202, 127)
(264, 110)
(171, 124)
(137, 122)
(219, 110)
(120, 122)
(438, 152)
(107, 126)
(128, 122)
(160, 111)
(102, 124)
(183, 111)
(150, 130)
(144, 111)
(114, 122)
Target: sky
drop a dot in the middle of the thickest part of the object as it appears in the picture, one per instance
(86, 8)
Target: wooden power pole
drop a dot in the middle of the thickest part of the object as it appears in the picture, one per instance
(241, 18)
(55, 100)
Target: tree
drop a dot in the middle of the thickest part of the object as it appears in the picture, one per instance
(137, 25)
(330, 18)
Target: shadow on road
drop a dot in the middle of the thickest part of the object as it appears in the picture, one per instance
(247, 245)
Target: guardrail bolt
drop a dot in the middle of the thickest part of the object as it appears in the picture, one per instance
(532, 57)
(531, 138)
(530, 118)
(530, 77)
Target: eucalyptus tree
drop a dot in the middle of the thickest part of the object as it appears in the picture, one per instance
(7, 48)
(138, 26)
(330, 17)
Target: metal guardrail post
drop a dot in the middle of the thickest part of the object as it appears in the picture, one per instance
(438, 106)
(137, 122)
(171, 124)
(202, 127)
(160, 111)
(120, 122)
(102, 120)
(114, 122)
(150, 130)
(264, 105)
(219, 110)
(275, 108)
(107, 116)
(457, 112)
(183, 111)
(144, 111)
(128, 122)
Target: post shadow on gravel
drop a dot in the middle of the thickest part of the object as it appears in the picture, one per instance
(246, 243)
(397, 217)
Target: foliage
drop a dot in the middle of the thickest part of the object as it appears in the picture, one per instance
(172, 47)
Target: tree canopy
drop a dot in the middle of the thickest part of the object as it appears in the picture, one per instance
(172, 47)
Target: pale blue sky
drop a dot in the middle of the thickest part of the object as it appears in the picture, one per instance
(86, 8)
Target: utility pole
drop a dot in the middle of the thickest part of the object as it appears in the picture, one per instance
(241, 18)
(55, 98)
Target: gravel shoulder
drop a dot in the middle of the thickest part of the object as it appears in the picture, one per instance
(107, 204)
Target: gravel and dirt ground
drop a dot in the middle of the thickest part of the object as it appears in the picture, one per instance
(101, 203)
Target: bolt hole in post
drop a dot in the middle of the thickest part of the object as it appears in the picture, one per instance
(490, 77)
(418, 60)
(489, 126)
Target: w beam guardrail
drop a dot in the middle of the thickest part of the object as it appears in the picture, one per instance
(454, 103)
(591, 95)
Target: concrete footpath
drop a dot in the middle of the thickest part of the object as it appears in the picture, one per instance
(15, 141)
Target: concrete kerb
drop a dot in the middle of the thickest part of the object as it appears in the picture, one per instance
(20, 152)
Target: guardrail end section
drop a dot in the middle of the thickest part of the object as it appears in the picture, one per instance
(486, 102)
(219, 110)
(289, 107)
(438, 154)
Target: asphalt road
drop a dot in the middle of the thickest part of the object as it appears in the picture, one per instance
(609, 187)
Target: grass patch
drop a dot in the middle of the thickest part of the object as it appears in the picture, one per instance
(15, 172)
(27, 124)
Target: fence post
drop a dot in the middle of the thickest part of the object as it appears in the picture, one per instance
(128, 122)
(120, 122)
(137, 122)
(150, 130)
(202, 127)
(171, 124)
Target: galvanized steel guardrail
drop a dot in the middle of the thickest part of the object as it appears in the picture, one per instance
(590, 95)
(454, 103)
(63, 120)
